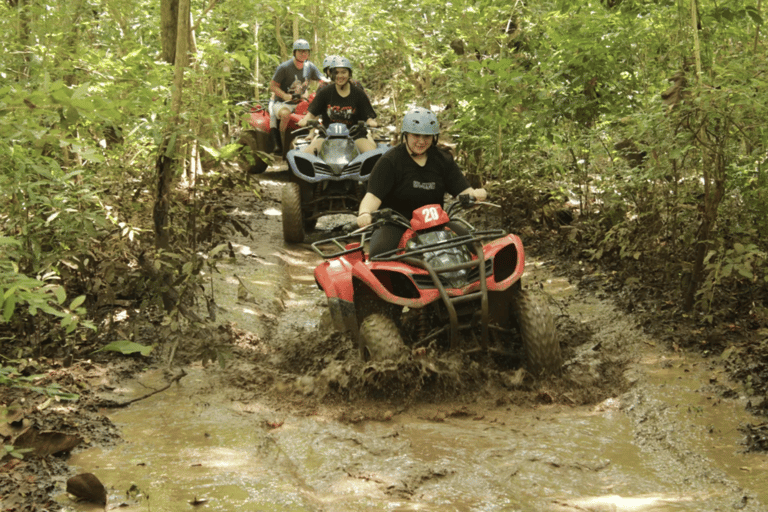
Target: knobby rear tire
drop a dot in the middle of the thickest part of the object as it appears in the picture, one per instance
(293, 222)
(537, 331)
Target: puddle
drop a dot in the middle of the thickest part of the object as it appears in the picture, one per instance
(179, 448)
(709, 423)
(665, 446)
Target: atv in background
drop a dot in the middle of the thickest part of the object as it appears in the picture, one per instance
(437, 291)
(331, 182)
(257, 139)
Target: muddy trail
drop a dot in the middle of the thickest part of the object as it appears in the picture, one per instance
(292, 419)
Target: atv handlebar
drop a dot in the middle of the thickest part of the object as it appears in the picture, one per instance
(304, 130)
(315, 123)
(466, 201)
(353, 238)
(358, 128)
(253, 105)
(311, 123)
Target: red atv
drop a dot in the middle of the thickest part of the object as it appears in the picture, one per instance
(258, 139)
(437, 290)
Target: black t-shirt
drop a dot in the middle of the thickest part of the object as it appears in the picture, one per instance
(403, 185)
(335, 108)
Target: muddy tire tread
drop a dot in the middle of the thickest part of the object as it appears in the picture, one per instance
(381, 338)
(250, 140)
(537, 331)
(293, 223)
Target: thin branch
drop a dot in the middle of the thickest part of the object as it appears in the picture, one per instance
(116, 405)
(696, 47)
(757, 28)
(206, 11)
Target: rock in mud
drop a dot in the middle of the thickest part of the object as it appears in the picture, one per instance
(87, 487)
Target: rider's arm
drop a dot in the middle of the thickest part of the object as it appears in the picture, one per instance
(370, 203)
(478, 193)
(278, 92)
(307, 117)
(371, 122)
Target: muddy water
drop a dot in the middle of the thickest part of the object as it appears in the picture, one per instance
(677, 454)
(668, 444)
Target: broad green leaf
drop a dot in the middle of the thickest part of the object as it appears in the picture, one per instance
(126, 347)
(61, 294)
(6, 240)
(211, 151)
(216, 250)
(76, 302)
(9, 305)
(753, 13)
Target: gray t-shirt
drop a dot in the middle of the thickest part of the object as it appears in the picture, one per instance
(294, 80)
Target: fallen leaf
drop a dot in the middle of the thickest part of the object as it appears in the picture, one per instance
(46, 442)
(88, 487)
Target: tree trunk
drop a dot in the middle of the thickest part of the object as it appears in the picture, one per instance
(192, 39)
(714, 190)
(696, 46)
(168, 151)
(24, 35)
(256, 71)
(169, 18)
(279, 37)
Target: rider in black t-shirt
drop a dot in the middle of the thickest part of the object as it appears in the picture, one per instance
(343, 103)
(327, 71)
(412, 174)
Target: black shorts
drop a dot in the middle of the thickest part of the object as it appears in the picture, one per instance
(358, 133)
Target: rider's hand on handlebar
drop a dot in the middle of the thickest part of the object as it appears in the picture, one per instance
(479, 194)
(364, 219)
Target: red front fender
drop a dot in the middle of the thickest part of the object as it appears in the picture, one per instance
(334, 276)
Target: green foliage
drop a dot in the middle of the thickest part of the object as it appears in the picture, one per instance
(12, 451)
(535, 92)
(10, 377)
(729, 269)
(38, 296)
